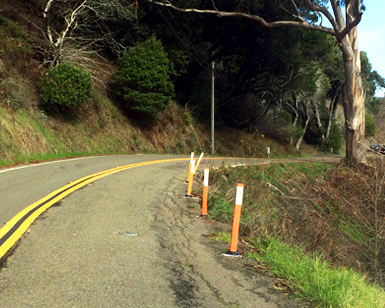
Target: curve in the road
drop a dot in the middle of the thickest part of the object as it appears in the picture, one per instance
(16, 227)
(19, 224)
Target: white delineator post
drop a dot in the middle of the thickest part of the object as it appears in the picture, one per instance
(205, 192)
(236, 220)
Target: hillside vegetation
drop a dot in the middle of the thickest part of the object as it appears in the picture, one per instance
(30, 131)
(317, 227)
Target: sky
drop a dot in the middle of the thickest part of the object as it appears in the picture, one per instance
(371, 35)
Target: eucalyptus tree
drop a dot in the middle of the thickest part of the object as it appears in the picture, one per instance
(343, 16)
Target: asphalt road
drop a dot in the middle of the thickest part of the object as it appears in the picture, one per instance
(22, 185)
(78, 253)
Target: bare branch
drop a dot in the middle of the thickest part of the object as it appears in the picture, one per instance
(213, 2)
(89, 18)
(262, 21)
(297, 10)
(338, 14)
(298, 16)
(47, 7)
(69, 22)
(324, 11)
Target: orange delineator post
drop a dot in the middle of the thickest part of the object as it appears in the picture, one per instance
(205, 192)
(199, 161)
(190, 180)
(236, 221)
(189, 166)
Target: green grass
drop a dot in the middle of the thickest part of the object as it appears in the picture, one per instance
(224, 237)
(352, 229)
(316, 280)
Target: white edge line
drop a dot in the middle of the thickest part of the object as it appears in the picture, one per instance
(47, 163)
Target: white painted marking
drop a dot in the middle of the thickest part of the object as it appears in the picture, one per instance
(191, 157)
(192, 167)
(47, 163)
(206, 178)
(239, 196)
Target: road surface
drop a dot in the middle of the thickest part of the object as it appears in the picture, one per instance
(127, 240)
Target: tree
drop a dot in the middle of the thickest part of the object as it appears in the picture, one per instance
(304, 14)
(372, 81)
(142, 80)
(65, 87)
(73, 25)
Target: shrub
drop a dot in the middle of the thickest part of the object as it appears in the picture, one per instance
(65, 86)
(370, 127)
(142, 80)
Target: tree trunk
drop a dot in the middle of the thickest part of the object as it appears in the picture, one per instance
(332, 111)
(294, 108)
(307, 120)
(353, 99)
(317, 118)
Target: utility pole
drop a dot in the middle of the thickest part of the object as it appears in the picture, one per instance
(212, 106)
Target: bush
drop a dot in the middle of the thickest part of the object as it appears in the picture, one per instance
(142, 80)
(65, 86)
(370, 127)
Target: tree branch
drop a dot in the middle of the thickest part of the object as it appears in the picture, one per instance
(338, 14)
(60, 39)
(349, 27)
(324, 11)
(47, 7)
(262, 21)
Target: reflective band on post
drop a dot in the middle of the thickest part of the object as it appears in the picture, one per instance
(205, 192)
(206, 178)
(191, 157)
(192, 168)
(239, 195)
(189, 166)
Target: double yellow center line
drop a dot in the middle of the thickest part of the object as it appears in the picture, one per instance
(15, 228)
